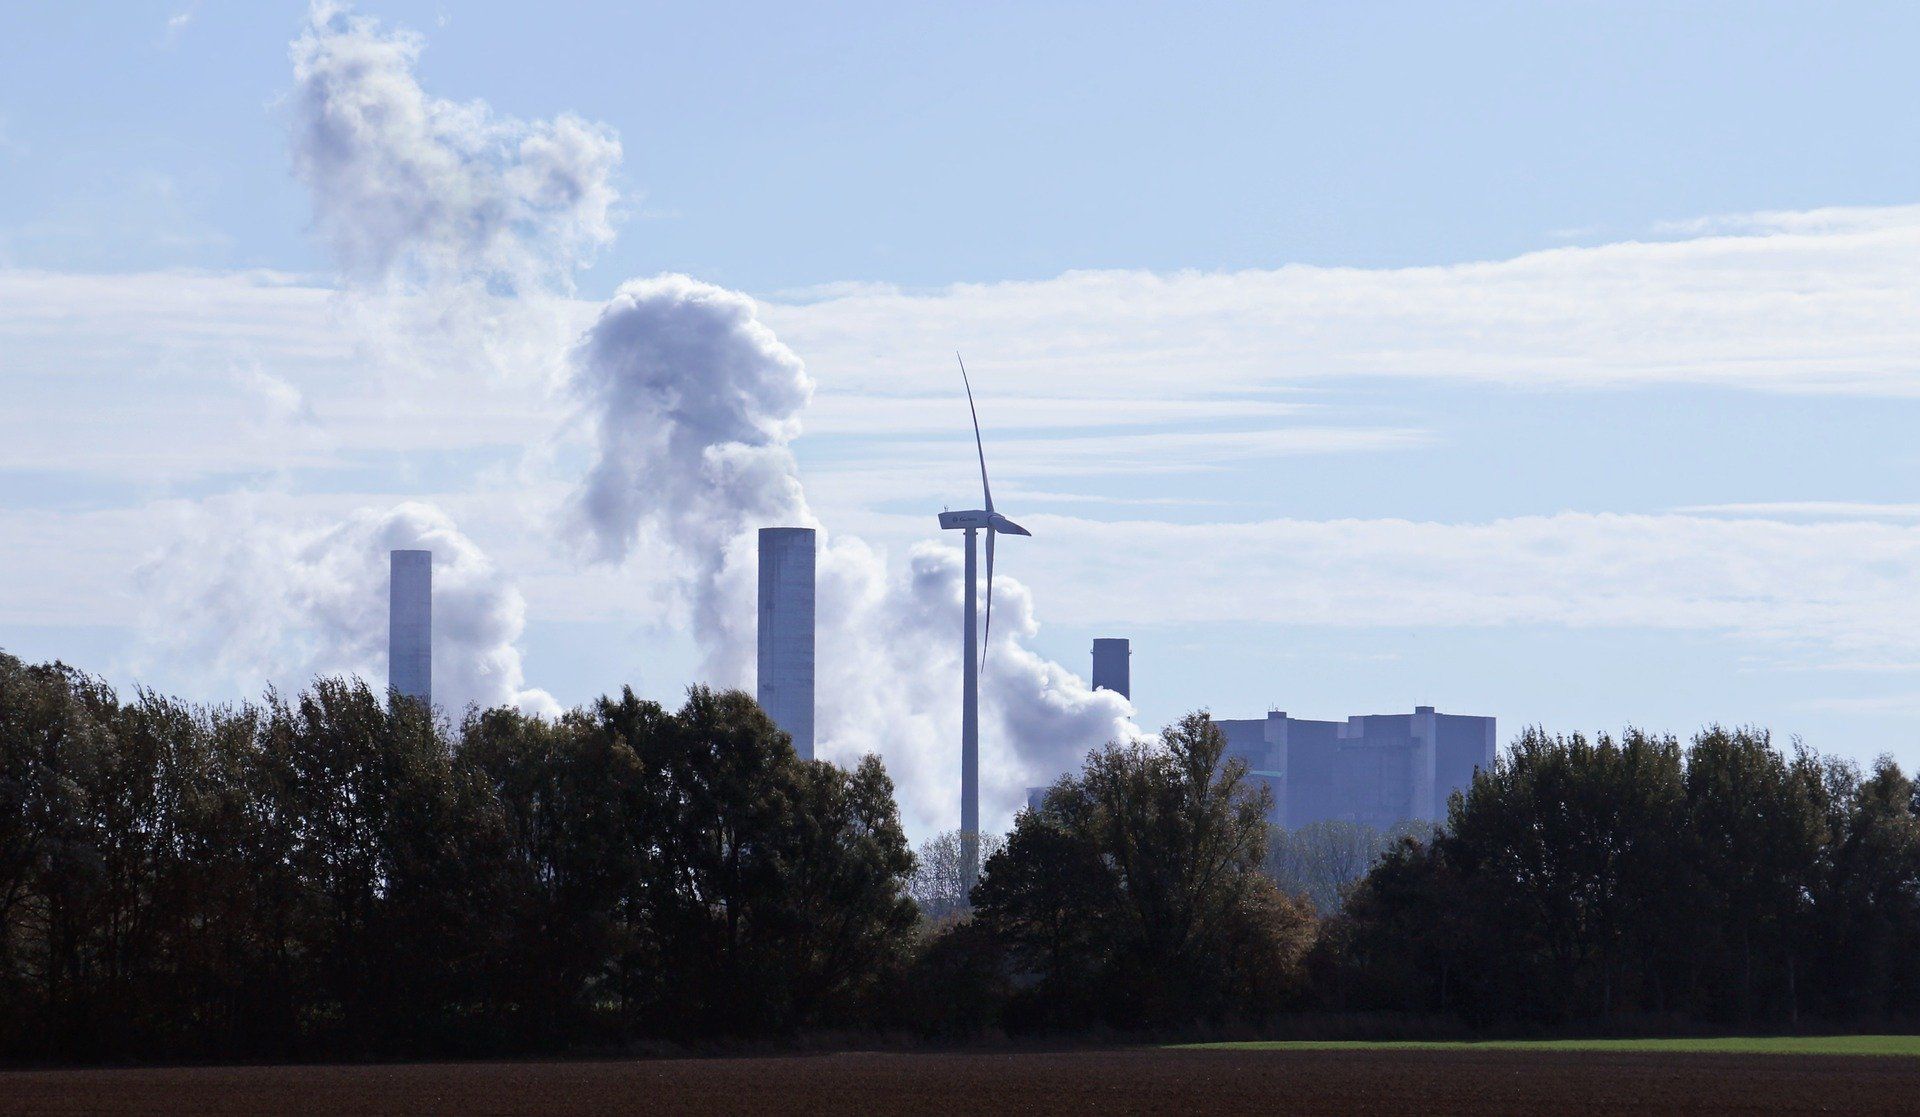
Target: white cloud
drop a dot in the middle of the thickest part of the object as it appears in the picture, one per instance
(1825, 220)
(1829, 307)
(894, 416)
(1838, 586)
(1799, 509)
(1794, 311)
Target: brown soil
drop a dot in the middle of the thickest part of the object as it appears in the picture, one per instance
(1109, 1082)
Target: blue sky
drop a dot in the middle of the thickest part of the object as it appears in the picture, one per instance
(778, 146)
(1555, 362)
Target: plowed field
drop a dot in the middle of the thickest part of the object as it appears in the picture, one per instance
(1128, 1081)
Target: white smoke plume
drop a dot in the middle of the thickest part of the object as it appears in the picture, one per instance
(692, 404)
(446, 224)
(274, 601)
(413, 188)
(889, 683)
(452, 228)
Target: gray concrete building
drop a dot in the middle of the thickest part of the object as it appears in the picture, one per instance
(1377, 769)
(786, 632)
(410, 624)
(1113, 666)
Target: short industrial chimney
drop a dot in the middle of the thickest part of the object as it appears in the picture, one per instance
(410, 624)
(1110, 666)
(786, 632)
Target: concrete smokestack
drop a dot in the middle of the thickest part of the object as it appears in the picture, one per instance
(410, 624)
(786, 632)
(1111, 666)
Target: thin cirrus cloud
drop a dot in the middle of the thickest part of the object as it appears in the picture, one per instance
(1837, 588)
(1820, 303)
(1808, 509)
(1832, 586)
(1827, 304)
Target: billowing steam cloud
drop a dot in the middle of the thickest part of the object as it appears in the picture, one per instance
(443, 220)
(691, 403)
(273, 601)
(408, 187)
(452, 228)
(889, 679)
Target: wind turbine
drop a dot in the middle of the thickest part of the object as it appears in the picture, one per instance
(973, 522)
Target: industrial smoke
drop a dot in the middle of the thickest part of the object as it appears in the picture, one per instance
(688, 405)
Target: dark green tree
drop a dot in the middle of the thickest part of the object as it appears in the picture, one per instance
(1135, 894)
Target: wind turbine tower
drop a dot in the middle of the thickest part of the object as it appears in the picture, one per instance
(973, 522)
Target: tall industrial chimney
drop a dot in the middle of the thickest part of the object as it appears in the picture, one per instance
(410, 624)
(1111, 670)
(786, 632)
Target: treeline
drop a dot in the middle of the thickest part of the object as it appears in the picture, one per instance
(340, 875)
(336, 875)
(1724, 883)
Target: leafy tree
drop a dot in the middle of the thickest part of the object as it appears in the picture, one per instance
(1757, 829)
(1863, 935)
(1135, 896)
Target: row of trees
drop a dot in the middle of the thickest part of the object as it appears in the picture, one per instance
(1590, 880)
(339, 874)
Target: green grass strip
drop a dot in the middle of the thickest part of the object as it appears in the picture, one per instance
(1904, 1046)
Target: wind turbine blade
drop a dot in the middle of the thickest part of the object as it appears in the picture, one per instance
(986, 629)
(978, 446)
(1005, 526)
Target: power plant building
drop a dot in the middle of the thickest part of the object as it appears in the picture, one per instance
(410, 624)
(786, 632)
(1377, 769)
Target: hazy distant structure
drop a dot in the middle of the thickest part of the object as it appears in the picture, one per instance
(1112, 666)
(410, 624)
(1377, 769)
(994, 524)
(786, 632)
(1037, 797)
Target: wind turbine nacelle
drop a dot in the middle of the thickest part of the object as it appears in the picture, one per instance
(980, 518)
(975, 518)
